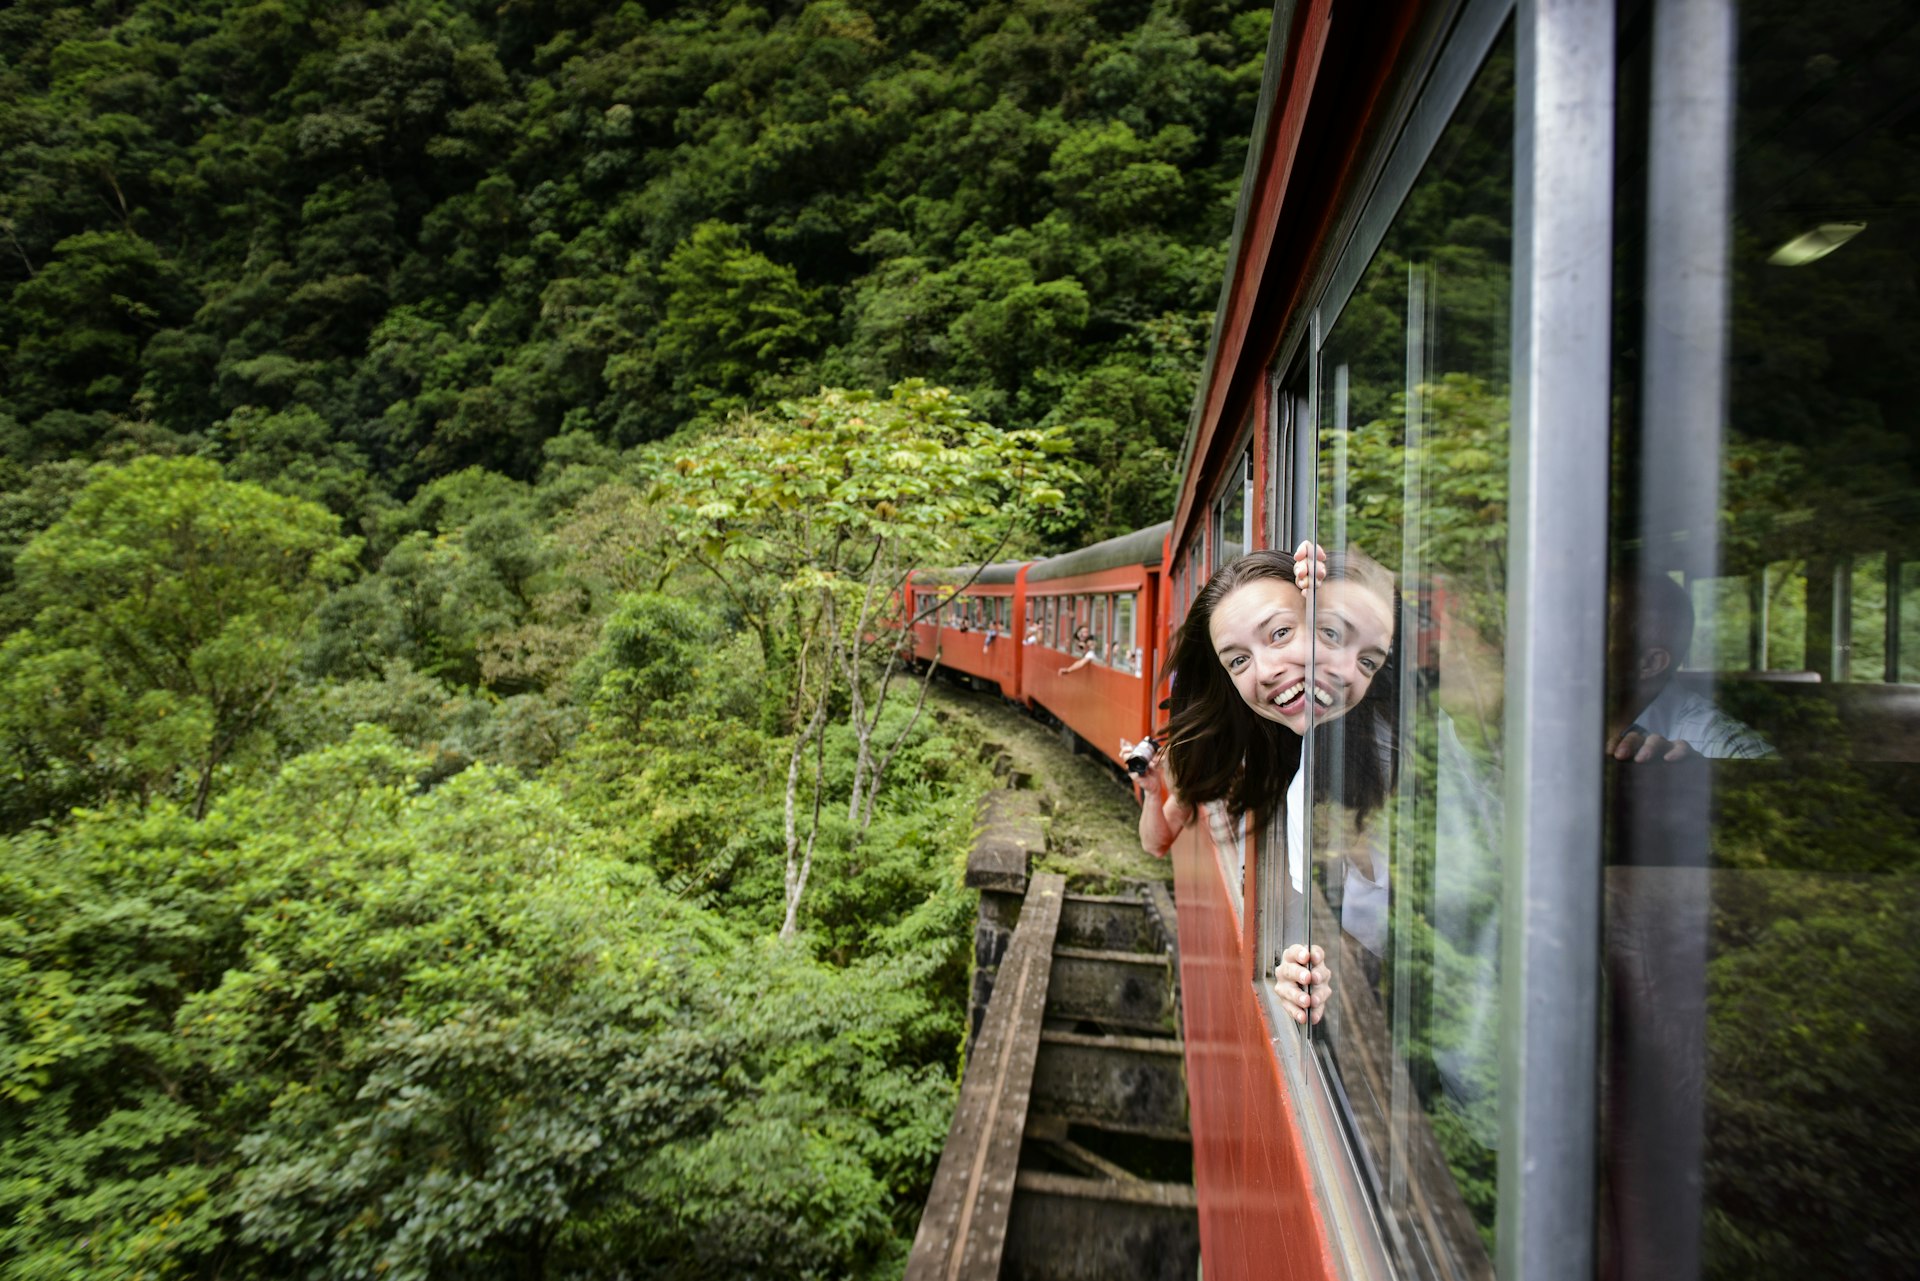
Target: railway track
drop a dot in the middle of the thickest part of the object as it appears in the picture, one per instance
(1069, 1157)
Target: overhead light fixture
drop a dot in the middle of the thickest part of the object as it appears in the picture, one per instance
(1816, 244)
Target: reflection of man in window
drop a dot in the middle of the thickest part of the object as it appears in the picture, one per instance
(1649, 632)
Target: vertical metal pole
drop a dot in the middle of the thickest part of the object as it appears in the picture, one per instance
(1689, 278)
(1556, 630)
(1660, 913)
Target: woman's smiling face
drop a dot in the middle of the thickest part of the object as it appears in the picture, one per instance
(1260, 634)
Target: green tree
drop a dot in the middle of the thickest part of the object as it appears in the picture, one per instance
(169, 606)
(810, 524)
(735, 320)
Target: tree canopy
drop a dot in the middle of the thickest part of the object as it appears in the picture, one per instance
(438, 234)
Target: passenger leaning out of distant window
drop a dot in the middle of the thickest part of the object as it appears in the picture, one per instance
(1650, 716)
(1083, 642)
(1242, 700)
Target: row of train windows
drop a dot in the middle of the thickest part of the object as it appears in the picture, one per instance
(1760, 986)
(967, 613)
(1105, 624)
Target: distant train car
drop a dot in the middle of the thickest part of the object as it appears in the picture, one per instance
(1093, 661)
(971, 622)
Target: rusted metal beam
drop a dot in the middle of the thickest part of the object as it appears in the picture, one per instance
(963, 1230)
(1134, 1084)
(1077, 1229)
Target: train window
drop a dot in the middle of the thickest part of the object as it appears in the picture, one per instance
(1762, 892)
(1126, 652)
(1099, 625)
(1049, 622)
(1233, 514)
(1401, 876)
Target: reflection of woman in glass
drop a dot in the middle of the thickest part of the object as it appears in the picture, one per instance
(1242, 699)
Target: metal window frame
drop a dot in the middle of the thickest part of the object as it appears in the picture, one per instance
(1556, 632)
(1656, 1093)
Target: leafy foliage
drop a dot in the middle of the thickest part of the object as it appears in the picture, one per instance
(169, 604)
(345, 1028)
(397, 240)
(372, 379)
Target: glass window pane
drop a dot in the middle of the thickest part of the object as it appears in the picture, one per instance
(1125, 644)
(1866, 630)
(1233, 514)
(1761, 1086)
(1405, 752)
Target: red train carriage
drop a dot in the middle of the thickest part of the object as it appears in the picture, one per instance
(972, 622)
(1092, 661)
(1592, 322)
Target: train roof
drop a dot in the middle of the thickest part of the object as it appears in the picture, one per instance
(996, 574)
(1141, 547)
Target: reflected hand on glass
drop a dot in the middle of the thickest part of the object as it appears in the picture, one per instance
(1640, 747)
(1303, 983)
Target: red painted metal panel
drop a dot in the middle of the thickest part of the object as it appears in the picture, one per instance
(1258, 1219)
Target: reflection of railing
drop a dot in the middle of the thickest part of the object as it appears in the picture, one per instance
(1354, 1049)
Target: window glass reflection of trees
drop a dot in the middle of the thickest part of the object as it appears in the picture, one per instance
(1413, 473)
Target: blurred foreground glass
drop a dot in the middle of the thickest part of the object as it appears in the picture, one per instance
(1761, 1092)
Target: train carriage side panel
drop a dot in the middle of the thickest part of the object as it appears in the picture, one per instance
(1258, 1221)
(969, 634)
(1108, 699)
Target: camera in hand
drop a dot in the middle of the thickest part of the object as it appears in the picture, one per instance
(1138, 757)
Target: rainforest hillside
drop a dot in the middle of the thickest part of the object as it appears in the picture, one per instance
(459, 814)
(377, 244)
